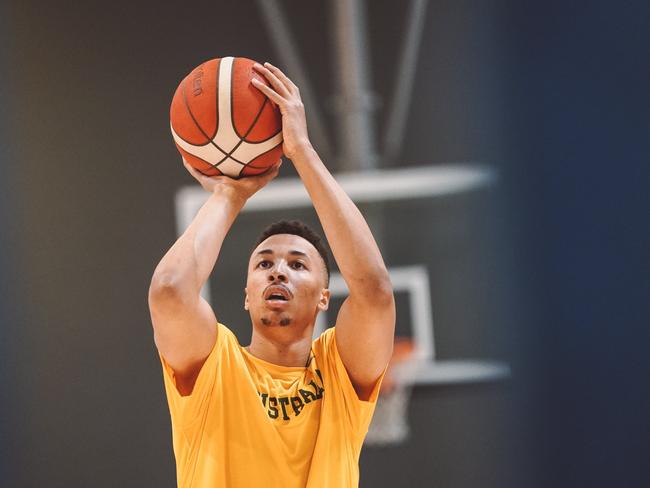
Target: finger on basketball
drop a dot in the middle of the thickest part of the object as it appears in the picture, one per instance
(276, 83)
(275, 169)
(268, 91)
(189, 168)
(279, 74)
(269, 171)
(200, 177)
(262, 179)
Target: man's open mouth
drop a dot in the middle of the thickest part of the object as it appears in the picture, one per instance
(277, 296)
(277, 292)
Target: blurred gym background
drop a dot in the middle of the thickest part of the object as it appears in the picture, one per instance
(546, 269)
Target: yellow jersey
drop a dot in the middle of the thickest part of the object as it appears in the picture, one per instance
(250, 423)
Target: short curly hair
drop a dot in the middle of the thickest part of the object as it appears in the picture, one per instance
(298, 228)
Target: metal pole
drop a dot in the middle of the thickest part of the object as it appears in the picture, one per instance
(357, 135)
(400, 103)
(285, 47)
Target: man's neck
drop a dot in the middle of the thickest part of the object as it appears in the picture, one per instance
(283, 346)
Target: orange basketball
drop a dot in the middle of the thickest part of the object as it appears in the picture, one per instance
(222, 124)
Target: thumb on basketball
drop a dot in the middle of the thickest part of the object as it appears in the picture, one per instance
(200, 177)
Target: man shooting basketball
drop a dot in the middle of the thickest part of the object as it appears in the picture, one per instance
(285, 411)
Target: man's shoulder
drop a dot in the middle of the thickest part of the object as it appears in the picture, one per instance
(226, 337)
(323, 342)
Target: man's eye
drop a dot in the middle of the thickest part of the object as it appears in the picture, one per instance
(298, 265)
(264, 264)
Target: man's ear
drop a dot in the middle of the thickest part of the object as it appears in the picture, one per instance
(324, 301)
(245, 299)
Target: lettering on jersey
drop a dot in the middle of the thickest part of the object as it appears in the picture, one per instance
(273, 407)
(285, 407)
(284, 401)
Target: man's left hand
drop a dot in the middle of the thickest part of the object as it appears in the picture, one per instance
(286, 95)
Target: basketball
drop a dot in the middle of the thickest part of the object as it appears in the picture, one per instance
(222, 124)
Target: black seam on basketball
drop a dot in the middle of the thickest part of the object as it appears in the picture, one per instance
(198, 126)
(210, 141)
(183, 90)
(250, 165)
(268, 138)
(206, 162)
(241, 139)
(232, 113)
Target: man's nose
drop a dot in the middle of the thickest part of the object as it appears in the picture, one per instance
(277, 275)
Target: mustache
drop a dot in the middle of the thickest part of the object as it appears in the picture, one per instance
(276, 286)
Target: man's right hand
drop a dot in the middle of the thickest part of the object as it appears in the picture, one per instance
(243, 188)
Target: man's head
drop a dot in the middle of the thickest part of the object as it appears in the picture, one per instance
(288, 276)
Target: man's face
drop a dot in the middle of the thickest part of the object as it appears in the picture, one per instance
(286, 282)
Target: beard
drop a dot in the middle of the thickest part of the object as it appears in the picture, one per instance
(283, 321)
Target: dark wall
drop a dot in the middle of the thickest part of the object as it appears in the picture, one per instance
(550, 258)
(578, 130)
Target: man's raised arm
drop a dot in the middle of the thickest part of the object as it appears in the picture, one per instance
(185, 327)
(365, 326)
